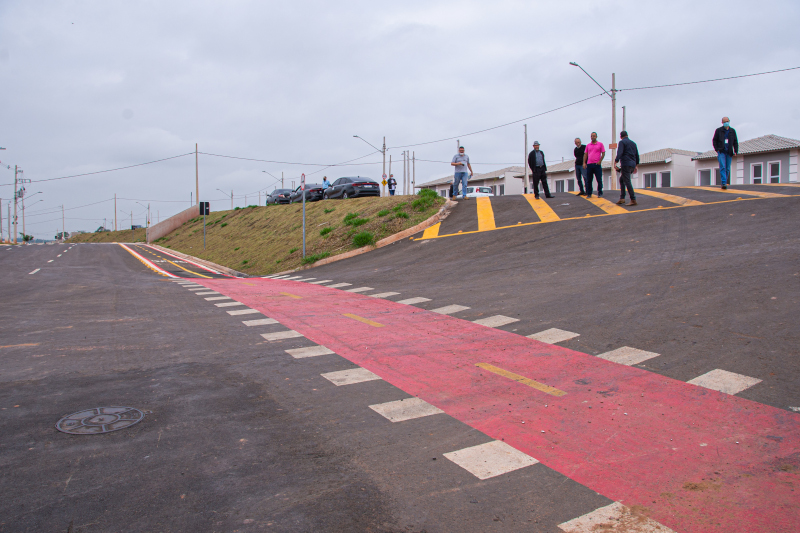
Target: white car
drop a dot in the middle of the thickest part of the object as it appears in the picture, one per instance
(476, 192)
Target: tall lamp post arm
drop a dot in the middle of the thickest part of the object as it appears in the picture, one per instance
(574, 64)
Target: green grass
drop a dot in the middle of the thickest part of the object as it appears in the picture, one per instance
(331, 210)
(364, 238)
(293, 250)
(401, 214)
(325, 231)
(307, 260)
(223, 224)
(383, 213)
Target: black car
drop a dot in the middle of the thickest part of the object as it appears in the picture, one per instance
(279, 196)
(353, 188)
(313, 193)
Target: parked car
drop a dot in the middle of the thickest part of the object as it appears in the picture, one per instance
(476, 192)
(279, 196)
(352, 188)
(313, 193)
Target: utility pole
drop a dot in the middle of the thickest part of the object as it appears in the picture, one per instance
(23, 220)
(390, 173)
(1, 219)
(15, 204)
(413, 172)
(133, 236)
(303, 192)
(281, 179)
(613, 144)
(196, 174)
(231, 199)
(624, 126)
(191, 202)
(404, 170)
(115, 211)
(384, 164)
(63, 226)
(525, 162)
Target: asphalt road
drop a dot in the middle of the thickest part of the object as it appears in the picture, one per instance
(239, 437)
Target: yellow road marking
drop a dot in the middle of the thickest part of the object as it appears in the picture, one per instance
(145, 263)
(485, 214)
(251, 284)
(364, 320)
(187, 270)
(291, 295)
(432, 232)
(609, 207)
(522, 379)
(668, 197)
(746, 193)
(543, 211)
(18, 345)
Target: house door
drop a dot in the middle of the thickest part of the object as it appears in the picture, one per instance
(705, 177)
(560, 186)
(666, 179)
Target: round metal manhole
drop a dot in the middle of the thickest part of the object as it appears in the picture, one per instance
(99, 420)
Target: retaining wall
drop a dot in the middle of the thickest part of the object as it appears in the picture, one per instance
(169, 225)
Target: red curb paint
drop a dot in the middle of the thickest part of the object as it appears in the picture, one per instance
(629, 434)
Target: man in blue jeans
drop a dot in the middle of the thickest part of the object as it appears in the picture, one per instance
(726, 144)
(461, 162)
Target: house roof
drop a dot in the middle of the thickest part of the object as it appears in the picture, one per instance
(661, 156)
(475, 177)
(767, 143)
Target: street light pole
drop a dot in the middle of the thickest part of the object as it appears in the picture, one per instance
(383, 151)
(15, 204)
(196, 175)
(63, 226)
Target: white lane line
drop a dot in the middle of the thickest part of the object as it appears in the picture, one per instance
(628, 356)
(338, 285)
(319, 282)
(450, 309)
(268, 277)
(292, 277)
(51, 260)
(229, 304)
(243, 312)
(311, 351)
(492, 459)
(59, 255)
(495, 321)
(360, 289)
(412, 301)
(213, 298)
(406, 409)
(206, 293)
(349, 377)
(282, 277)
(35, 271)
(611, 518)
(306, 279)
(197, 288)
(724, 381)
(553, 335)
(260, 322)
(795, 409)
(280, 335)
(383, 294)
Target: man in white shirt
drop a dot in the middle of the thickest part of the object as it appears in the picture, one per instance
(461, 162)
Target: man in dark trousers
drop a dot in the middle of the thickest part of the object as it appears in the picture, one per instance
(538, 171)
(392, 184)
(628, 160)
(726, 144)
(580, 170)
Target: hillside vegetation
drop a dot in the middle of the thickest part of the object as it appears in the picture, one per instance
(110, 236)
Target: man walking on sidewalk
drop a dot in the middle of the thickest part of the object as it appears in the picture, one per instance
(580, 170)
(461, 162)
(538, 171)
(592, 160)
(726, 144)
(628, 159)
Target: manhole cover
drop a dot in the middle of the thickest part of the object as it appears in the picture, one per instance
(99, 420)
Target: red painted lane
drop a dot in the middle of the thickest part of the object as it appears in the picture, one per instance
(696, 459)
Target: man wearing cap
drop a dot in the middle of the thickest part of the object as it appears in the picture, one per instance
(538, 171)
(592, 160)
(461, 162)
(726, 145)
(628, 159)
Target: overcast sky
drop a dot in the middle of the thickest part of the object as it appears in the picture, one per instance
(93, 85)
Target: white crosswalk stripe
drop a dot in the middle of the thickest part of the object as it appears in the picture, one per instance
(311, 351)
(450, 309)
(627, 356)
(349, 377)
(260, 322)
(724, 381)
(553, 336)
(281, 335)
(407, 409)
(495, 321)
(491, 459)
(412, 301)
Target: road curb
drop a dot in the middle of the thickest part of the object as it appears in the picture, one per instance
(209, 264)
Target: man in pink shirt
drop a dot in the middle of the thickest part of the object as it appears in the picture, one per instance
(592, 159)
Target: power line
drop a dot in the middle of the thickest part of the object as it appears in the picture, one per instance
(285, 162)
(709, 81)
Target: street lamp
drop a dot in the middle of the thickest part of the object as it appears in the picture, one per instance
(223, 192)
(23, 213)
(147, 223)
(613, 95)
(383, 151)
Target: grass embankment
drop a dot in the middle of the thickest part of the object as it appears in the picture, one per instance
(138, 235)
(265, 240)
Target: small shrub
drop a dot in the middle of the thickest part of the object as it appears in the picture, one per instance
(249, 206)
(293, 250)
(426, 198)
(223, 224)
(358, 222)
(315, 257)
(236, 248)
(401, 215)
(325, 231)
(245, 261)
(428, 193)
(331, 210)
(399, 207)
(383, 213)
(364, 238)
(349, 216)
(236, 208)
(278, 261)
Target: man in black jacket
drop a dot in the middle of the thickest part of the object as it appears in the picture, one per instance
(538, 171)
(726, 145)
(628, 159)
(580, 170)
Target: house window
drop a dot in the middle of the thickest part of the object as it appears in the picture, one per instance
(502, 190)
(774, 172)
(560, 186)
(758, 173)
(705, 177)
(666, 179)
(650, 180)
(570, 185)
(443, 192)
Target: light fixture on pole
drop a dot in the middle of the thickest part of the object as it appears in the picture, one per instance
(382, 151)
(613, 95)
(24, 235)
(226, 194)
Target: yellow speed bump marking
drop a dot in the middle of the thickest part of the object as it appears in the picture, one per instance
(680, 200)
(543, 211)
(609, 207)
(432, 232)
(746, 193)
(187, 270)
(485, 214)
(364, 320)
(296, 297)
(19, 345)
(522, 379)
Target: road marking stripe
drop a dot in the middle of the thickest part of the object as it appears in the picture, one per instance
(432, 232)
(59, 255)
(450, 309)
(147, 263)
(212, 298)
(543, 211)
(296, 297)
(338, 285)
(412, 301)
(495, 321)
(51, 260)
(206, 293)
(349, 377)
(320, 282)
(282, 277)
(522, 379)
(485, 214)
(198, 265)
(553, 335)
(724, 381)
(383, 294)
(292, 277)
(187, 270)
(360, 289)
(200, 288)
(229, 304)
(260, 322)
(680, 200)
(628, 356)
(611, 518)
(489, 460)
(609, 207)
(306, 279)
(35, 271)
(746, 193)
(311, 351)
(364, 320)
(281, 335)
(243, 312)
(20, 345)
(251, 284)
(408, 409)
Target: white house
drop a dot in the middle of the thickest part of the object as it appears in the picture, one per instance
(767, 159)
(501, 181)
